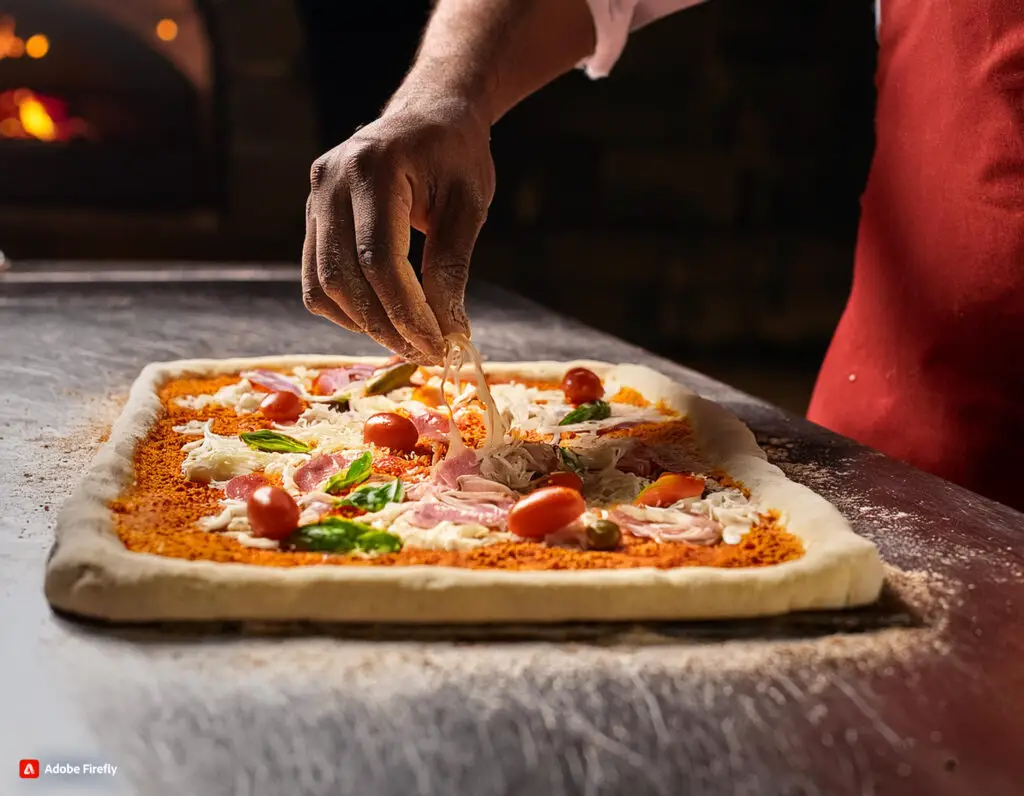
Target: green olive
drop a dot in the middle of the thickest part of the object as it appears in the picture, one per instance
(603, 535)
(384, 381)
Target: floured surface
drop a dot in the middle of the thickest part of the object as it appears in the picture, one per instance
(783, 709)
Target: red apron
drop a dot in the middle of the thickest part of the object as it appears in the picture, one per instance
(927, 363)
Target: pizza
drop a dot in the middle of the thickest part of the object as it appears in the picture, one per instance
(374, 490)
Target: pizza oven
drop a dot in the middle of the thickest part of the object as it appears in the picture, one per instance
(151, 128)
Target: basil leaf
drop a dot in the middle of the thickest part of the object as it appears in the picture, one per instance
(339, 404)
(571, 461)
(330, 535)
(595, 410)
(375, 496)
(379, 542)
(356, 473)
(338, 535)
(391, 378)
(273, 442)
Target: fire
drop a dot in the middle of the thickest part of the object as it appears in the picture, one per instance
(36, 121)
(25, 114)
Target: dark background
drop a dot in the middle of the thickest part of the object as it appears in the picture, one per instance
(702, 201)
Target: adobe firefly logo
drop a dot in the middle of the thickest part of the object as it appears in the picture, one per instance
(28, 769)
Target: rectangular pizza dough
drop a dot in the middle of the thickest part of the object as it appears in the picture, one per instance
(91, 573)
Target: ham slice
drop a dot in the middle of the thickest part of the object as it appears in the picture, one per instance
(318, 469)
(638, 460)
(448, 472)
(430, 424)
(274, 382)
(241, 487)
(647, 461)
(431, 513)
(419, 490)
(671, 526)
(332, 380)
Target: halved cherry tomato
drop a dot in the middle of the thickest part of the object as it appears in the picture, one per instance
(561, 478)
(273, 513)
(284, 407)
(390, 430)
(545, 511)
(582, 386)
(670, 488)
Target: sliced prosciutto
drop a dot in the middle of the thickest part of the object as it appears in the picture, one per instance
(332, 380)
(318, 469)
(430, 514)
(448, 471)
(242, 486)
(274, 382)
(430, 424)
(648, 461)
(666, 525)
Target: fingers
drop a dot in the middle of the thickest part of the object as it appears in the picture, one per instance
(313, 295)
(341, 278)
(382, 207)
(454, 227)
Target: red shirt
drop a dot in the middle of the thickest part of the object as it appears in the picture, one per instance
(926, 364)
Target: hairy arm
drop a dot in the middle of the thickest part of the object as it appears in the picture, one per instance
(494, 53)
(426, 164)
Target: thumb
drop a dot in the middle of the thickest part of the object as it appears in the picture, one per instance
(452, 232)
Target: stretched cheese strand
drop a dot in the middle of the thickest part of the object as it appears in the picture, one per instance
(452, 360)
(458, 345)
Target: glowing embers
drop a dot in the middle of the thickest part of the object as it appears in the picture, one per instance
(27, 115)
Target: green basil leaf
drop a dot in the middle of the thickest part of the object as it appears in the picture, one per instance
(375, 496)
(273, 442)
(571, 461)
(356, 473)
(330, 535)
(379, 542)
(391, 378)
(595, 410)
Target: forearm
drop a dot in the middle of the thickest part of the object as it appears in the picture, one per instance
(494, 53)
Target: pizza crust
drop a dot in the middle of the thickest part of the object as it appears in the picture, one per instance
(91, 573)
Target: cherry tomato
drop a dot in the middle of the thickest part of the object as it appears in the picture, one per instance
(273, 514)
(545, 511)
(389, 430)
(284, 407)
(582, 386)
(562, 478)
(670, 488)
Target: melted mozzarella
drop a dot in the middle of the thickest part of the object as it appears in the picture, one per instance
(215, 458)
(242, 397)
(193, 428)
(447, 535)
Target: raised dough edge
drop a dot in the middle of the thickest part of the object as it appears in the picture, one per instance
(91, 573)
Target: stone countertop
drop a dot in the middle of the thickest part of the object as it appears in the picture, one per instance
(920, 694)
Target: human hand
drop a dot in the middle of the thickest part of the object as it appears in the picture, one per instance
(423, 164)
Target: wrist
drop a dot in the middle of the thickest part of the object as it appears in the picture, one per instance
(436, 87)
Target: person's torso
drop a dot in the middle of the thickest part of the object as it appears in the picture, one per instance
(924, 365)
